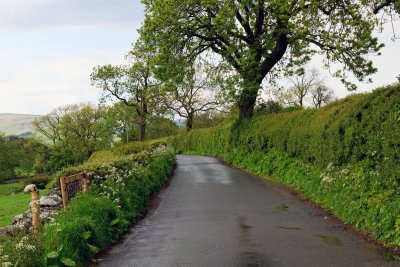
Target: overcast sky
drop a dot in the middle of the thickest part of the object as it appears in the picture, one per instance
(49, 47)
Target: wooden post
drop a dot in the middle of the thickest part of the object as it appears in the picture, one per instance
(35, 207)
(64, 192)
(36, 212)
(85, 186)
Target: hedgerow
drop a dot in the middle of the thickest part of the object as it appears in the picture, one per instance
(120, 188)
(345, 156)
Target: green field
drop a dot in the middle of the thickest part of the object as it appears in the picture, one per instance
(11, 205)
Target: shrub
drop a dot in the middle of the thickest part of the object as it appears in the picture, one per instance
(81, 231)
(269, 107)
(39, 180)
(292, 108)
(59, 161)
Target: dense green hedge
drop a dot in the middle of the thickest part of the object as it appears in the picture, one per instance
(120, 188)
(345, 156)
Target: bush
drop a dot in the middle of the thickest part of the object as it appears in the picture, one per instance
(292, 108)
(344, 156)
(40, 181)
(81, 231)
(59, 161)
(269, 107)
(136, 147)
(135, 151)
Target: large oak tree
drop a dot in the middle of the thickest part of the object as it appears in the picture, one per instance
(260, 37)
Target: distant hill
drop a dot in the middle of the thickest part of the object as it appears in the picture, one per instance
(17, 124)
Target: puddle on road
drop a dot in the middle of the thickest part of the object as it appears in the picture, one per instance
(248, 257)
(289, 228)
(244, 229)
(251, 258)
(282, 207)
(330, 240)
(244, 226)
(242, 223)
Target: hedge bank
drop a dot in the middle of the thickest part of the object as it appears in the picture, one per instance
(121, 185)
(345, 156)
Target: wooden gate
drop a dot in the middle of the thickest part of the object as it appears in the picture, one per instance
(71, 185)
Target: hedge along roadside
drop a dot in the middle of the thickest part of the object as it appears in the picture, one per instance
(345, 156)
(118, 193)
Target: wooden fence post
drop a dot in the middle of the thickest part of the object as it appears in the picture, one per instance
(35, 207)
(64, 192)
(36, 212)
(85, 185)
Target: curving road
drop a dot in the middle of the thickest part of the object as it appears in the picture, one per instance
(215, 215)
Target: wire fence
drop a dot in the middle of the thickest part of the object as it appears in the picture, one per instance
(71, 185)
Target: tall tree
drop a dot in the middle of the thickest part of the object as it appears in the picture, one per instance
(83, 129)
(134, 85)
(49, 125)
(124, 120)
(264, 37)
(322, 95)
(195, 93)
(80, 131)
(303, 84)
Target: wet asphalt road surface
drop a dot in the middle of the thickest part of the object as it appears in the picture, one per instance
(215, 215)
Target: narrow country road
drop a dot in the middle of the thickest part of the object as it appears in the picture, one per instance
(215, 215)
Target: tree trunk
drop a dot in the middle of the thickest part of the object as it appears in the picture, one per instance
(141, 110)
(189, 122)
(142, 127)
(248, 98)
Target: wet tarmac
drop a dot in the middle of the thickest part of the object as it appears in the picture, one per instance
(215, 215)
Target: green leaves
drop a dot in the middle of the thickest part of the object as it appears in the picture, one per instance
(53, 255)
(93, 249)
(76, 131)
(68, 262)
(87, 235)
(114, 222)
(257, 38)
(134, 85)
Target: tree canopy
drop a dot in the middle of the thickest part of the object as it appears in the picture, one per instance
(76, 132)
(134, 85)
(196, 93)
(260, 38)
